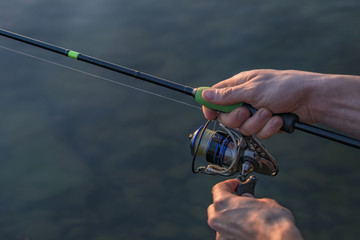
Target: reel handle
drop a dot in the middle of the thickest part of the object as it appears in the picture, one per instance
(289, 119)
(246, 187)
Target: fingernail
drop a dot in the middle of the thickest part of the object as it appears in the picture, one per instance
(241, 115)
(208, 94)
(276, 123)
(264, 114)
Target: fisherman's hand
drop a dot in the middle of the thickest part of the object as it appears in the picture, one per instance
(271, 92)
(244, 217)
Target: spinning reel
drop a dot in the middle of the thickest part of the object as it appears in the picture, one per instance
(229, 152)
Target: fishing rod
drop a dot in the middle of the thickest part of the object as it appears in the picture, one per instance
(290, 120)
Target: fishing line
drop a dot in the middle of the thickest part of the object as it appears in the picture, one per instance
(290, 120)
(97, 76)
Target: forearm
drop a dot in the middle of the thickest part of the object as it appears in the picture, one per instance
(335, 102)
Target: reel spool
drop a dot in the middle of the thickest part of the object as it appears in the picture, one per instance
(230, 152)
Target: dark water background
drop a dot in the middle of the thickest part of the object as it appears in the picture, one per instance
(81, 158)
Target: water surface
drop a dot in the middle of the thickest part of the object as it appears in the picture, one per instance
(85, 159)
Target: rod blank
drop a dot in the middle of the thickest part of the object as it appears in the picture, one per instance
(102, 63)
(292, 121)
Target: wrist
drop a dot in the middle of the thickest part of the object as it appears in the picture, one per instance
(314, 95)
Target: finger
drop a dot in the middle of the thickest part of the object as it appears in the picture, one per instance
(247, 195)
(227, 95)
(211, 221)
(218, 237)
(215, 219)
(222, 237)
(230, 82)
(271, 127)
(225, 188)
(254, 124)
(209, 113)
(235, 118)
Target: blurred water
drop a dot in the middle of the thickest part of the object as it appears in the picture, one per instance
(84, 159)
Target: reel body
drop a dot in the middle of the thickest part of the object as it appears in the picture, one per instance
(229, 152)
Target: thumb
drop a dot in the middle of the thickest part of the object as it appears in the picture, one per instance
(226, 96)
(224, 188)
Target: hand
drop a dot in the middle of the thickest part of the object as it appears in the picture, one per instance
(244, 217)
(270, 91)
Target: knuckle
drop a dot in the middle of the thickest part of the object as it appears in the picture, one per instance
(227, 91)
(228, 120)
(278, 212)
(256, 124)
(220, 204)
(271, 128)
(211, 221)
(246, 131)
(287, 213)
(253, 73)
(270, 201)
(263, 135)
(248, 75)
(215, 187)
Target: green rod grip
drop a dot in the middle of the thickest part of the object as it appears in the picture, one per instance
(221, 108)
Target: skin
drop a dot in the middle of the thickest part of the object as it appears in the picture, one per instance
(332, 100)
(234, 217)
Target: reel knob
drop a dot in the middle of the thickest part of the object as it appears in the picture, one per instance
(246, 187)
